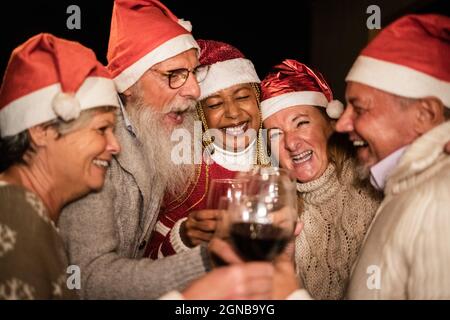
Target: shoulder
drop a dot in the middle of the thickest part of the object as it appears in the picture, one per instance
(22, 206)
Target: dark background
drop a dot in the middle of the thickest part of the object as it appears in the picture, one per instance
(326, 34)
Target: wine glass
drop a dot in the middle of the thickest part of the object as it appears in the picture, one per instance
(274, 183)
(260, 226)
(231, 188)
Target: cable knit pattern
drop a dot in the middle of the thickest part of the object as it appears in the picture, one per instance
(336, 216)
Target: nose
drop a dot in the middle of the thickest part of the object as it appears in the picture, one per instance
(232, 110)
(113, 145)
(345, 122)
(190, 89)
(291, 140)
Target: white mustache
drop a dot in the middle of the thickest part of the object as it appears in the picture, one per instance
(189, 106)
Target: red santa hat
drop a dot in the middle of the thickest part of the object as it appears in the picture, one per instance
(143, 33)
(409, 58)
(292, 83)
(48, 77)
(227, 67)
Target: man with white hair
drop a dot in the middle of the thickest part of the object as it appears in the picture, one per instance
(153, 60)
(398, 107)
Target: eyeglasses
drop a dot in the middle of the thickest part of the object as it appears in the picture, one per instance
(177, 78)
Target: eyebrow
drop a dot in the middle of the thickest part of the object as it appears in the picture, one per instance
(298, 115)
(180, 68)
(352, 100)
(240, 89)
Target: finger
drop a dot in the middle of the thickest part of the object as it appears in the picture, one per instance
(196, 235)
(205, 225)
(224, 251)
(447, 147)
(205, 214)
(298, 228)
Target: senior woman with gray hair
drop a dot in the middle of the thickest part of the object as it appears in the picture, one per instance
(57, 118)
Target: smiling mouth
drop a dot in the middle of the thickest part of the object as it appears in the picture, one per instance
(237, 130)
(302, 157)
(359, 143)
(101, 163)
(176, 116)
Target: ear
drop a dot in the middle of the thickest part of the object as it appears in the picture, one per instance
(127, 93)
(429, 113)
(333, 124)
(40, 136)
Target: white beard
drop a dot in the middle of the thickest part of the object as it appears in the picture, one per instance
(154, 135)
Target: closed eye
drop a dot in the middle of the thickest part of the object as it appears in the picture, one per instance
(243, 97)
(102, 130)
(215, 105)
(301, 123)
(358, 110)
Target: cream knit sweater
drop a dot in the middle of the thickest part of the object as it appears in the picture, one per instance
(336, 216)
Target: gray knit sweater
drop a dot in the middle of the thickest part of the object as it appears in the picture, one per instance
(105, 234)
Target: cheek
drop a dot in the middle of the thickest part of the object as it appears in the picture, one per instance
(156, 96)
(212, 118)
(283, 157)
(253, 111)
(90, 148)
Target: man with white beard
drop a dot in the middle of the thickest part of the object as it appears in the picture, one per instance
(153, 61)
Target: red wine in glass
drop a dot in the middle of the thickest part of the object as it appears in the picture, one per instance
(258, 241)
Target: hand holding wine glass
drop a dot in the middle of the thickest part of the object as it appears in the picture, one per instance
(201, 225)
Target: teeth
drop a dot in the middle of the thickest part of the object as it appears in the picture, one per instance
(236, 131)
(101, 163)
(359, 143)
(302, 157)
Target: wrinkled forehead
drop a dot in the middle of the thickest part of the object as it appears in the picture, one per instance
(290, 114)
(187, 59)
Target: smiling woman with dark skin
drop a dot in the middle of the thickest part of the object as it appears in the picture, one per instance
(299, 112)
(230, 115)
(233, 111)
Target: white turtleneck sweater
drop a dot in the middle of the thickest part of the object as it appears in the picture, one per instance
(336, 216)
(236, 161)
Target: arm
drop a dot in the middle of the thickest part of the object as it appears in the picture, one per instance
(186, 233)
(101, 231)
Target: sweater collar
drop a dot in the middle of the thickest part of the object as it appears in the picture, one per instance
(380, 172)
(235, 161)
(422, 154)
(321, 189)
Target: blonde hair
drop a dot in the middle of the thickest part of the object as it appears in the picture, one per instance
(339, 147)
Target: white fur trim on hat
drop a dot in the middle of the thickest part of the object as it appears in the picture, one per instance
(225, 74)
(287, 100)
(397, 79)
(167, 50)
(38, 107)
(185, 24)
